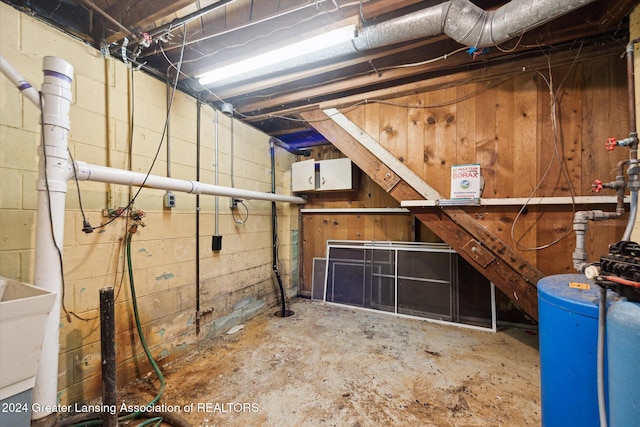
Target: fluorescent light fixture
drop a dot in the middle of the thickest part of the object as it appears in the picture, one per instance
(282, 54)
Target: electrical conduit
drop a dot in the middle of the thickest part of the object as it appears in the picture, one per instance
(198, 142)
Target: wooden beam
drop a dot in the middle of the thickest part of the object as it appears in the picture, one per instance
(136, 14)
(500, 73)
(372, 10)
(425, 190)
(495, 260)
(338, 86)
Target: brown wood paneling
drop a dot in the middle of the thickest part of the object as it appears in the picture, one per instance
(320, 227)
(416, 133)
(317, 228)
(507, 126)
(440, 139)
(504, 129)
(392, 121)
(510, 273)
(524, 179)
(487, 141)
(466, 124)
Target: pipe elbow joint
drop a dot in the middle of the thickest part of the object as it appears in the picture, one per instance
(580, 264)
(580, 219)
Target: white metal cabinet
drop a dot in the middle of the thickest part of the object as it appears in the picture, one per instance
(335, 174)
(323, 175)
(303, 176)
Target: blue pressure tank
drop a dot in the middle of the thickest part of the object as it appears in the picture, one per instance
(623, 350)
(568, 331)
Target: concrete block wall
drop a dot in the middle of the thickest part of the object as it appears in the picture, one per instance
(236, 282)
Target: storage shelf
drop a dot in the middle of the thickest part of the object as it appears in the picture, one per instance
(515, 201)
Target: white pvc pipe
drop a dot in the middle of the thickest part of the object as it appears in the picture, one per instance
(24, 86)
(88, 172)
(52, 187)
(56, 93)
(631, 222)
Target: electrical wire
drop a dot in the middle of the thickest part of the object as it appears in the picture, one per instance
(86, 226)
(491, 85)
(118, 283)
(514, 47)
(68, 313)
(261, 36)
(367, 101)
(350, 76)
(276, 238)
(121, 246)
(162, 137)
(428, 61)
(122, 211)
(364, 21)
(237, 218)
(250, 24)
(352, 106)
(178, 72)
(600, 359)
(557, 153)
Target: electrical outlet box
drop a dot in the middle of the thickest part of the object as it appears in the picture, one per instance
(169, 200)
(216, 243)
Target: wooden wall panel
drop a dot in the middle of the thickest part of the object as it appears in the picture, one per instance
(486, 142)
(317, 228)
(525, 177)
(440, 139)
(393, 122)
(416, 133)
(466, 124)
(507, 126)
(604, 115)
(505, 176)
(497, 261)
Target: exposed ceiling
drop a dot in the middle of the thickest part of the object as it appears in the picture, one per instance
(160, 36)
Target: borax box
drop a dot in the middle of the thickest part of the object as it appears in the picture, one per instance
(465, 181)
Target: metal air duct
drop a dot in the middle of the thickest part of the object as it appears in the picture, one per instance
(461, 20)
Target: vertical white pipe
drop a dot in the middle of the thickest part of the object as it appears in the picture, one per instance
(633, 213)
(56, 95)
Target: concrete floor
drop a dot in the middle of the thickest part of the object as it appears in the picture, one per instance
(334, 366)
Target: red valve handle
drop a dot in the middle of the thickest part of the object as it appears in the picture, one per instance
(596, 186)
(611, 144)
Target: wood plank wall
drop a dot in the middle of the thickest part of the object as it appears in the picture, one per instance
(317, 228)
(507, 125)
